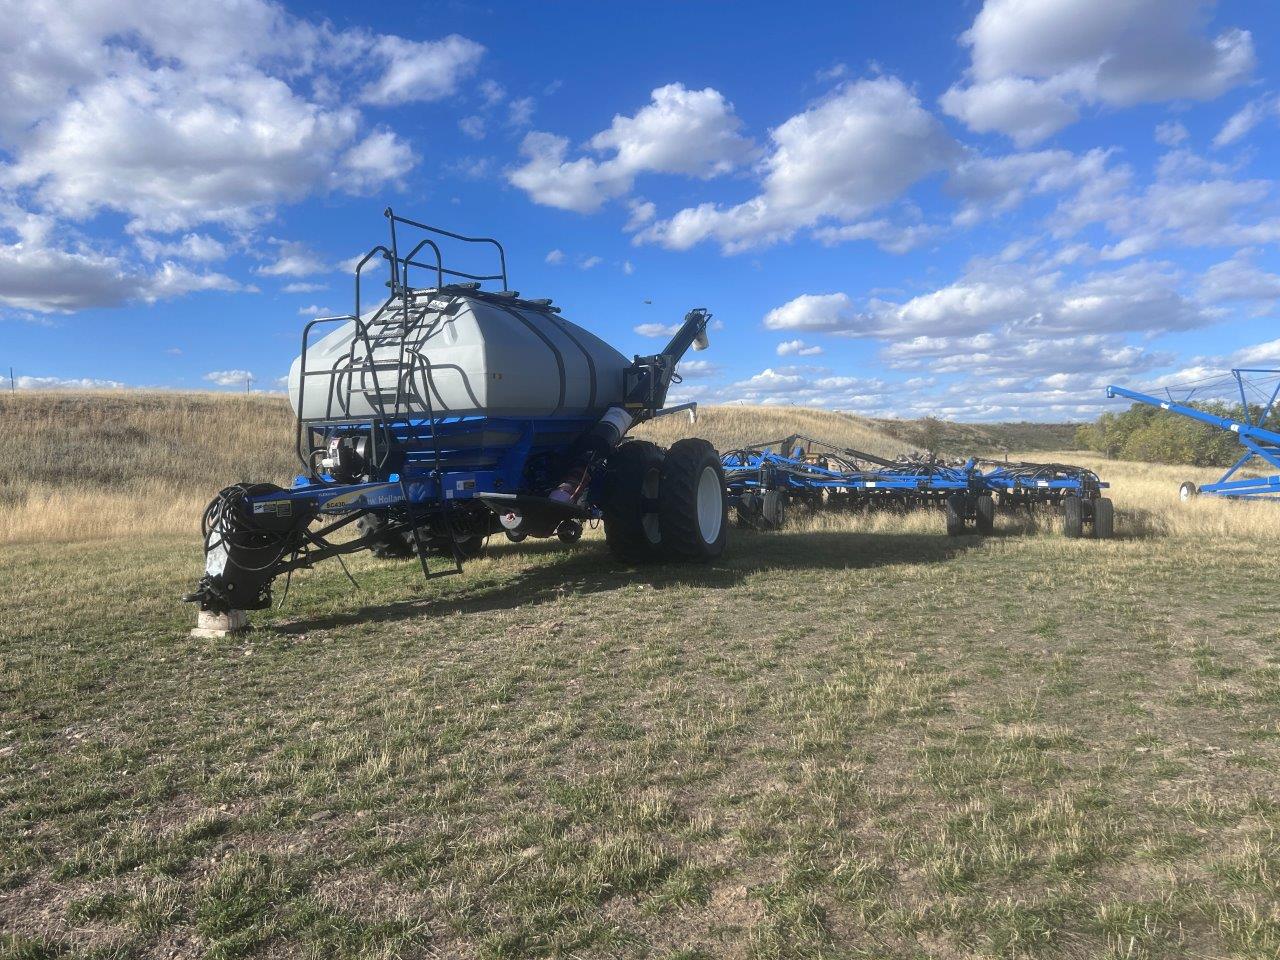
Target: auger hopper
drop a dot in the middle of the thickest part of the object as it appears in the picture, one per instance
(455, 409)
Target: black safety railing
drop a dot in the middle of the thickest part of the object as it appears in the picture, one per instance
(401, 410)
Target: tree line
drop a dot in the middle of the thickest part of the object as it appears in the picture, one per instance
(1158, 436)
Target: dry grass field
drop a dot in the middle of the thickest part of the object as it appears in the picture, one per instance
(854, 737)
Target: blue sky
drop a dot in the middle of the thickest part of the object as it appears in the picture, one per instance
(975, 210)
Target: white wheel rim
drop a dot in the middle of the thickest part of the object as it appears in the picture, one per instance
(710, 504)
(1184, 494)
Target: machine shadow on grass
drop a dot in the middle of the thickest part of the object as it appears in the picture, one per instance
(588, 569)
(1131, 523)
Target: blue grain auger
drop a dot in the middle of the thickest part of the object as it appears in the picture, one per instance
(1258, 442)
(449, 412)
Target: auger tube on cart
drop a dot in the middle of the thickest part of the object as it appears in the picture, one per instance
(449, 412)
(1257, 441)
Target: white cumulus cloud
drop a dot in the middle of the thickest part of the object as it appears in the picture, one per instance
(797, 348)
(819, 312)
(848, 154)
(230, 378)
(1034, 65)
(681, 131)
(421, 70)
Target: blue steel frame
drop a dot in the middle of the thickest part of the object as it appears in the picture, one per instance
(754, 470)
(1257, 441)
(1048, 483)
(438, 462)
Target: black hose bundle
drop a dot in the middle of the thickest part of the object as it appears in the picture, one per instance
(228, 523)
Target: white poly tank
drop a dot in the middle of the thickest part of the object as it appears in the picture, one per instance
(476, 356)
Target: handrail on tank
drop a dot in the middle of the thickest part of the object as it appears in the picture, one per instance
(394, 218)
(365, 259)
(408, 262)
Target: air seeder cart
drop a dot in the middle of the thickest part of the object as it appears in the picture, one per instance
(449, 412)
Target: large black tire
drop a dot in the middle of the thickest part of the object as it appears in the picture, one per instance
(780, 515)
(633, 478)
(692, 505)
(385, 544)
(955, 509)
(1104, 518)
(1072, 516)
(985, 507)
(1188, 491)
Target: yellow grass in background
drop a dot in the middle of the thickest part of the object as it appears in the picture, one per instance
(104, 465)
(94, 465)
(1146, 497)
(732, 426)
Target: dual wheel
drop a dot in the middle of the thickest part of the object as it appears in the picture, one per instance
(961, 506)
(1074, 515)
(665, 505)
(762, 511)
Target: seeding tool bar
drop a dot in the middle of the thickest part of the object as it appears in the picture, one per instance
(762, 483)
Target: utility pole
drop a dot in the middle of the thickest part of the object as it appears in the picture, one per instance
(13, 384)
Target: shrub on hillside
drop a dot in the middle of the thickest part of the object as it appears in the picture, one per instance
(1157, 436)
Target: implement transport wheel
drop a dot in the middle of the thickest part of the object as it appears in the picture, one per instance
(692, 505)
(1072, 516)
(773, 509)
(955, 508)
(384, 544)
(985, 507)
(1104, 518)
(630, 502)
(569, 531)
(1187, 491)
(515, 537)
